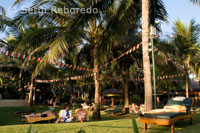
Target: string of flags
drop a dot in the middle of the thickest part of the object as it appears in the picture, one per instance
(168, 59)
(125, 53)
(37, 59)
(142, 79)
(61, 64)
(160, 77)
(65, 79)
(91, 75)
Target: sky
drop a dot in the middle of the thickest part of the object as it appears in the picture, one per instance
(182, 9)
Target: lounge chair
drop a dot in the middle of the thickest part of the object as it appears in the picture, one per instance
(37, 118)
(169, 117)
(117, 109)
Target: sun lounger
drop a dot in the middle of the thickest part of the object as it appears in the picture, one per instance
(37, 118)
(116, 110)
(169, 118)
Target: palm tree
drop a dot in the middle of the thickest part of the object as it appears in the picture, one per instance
(124, 64)
(195, 1)
(146, 58)
(188, 49)
(149, 14)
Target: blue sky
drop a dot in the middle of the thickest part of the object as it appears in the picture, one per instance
(181, 9)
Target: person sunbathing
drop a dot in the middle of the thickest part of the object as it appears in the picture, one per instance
(65, 115)
(81, 114)
(50, 112)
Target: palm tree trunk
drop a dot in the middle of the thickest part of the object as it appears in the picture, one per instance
(126, 85)
(72, 91)
(78, 92)
(146, 59)
(30, 100)
(96, 113)
(72, 88)
(186, 80)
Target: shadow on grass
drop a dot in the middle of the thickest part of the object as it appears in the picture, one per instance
(89, 126)
(111, 126)
(105, 117)
(55, 131)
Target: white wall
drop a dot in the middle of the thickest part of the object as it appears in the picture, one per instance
(13, 103)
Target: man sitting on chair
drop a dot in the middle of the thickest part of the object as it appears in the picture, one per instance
(65, 115)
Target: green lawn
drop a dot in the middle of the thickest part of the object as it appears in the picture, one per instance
(120, 124)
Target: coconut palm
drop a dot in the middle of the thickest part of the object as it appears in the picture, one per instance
(124, 64)
(148, 17)
(195, 1)
(188, 49)
(146, 58)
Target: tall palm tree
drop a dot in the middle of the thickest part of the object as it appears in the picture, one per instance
(146, 58)
(124, 64)
(186, 41)
(151, 10)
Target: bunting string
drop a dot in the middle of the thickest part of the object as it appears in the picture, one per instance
(91, 75)
(142, 79)
(133, 49)
(65, 79)
(58, 64)
(168, 59)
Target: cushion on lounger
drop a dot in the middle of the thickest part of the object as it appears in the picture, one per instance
(176, 108)
(186, 102)
(156, 111)
(163, 115)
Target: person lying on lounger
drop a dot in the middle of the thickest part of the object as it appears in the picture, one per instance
(65, 115)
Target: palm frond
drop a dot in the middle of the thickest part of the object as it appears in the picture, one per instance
(2, 11)
(195, 1)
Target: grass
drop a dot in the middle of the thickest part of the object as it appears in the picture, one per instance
(115, 124)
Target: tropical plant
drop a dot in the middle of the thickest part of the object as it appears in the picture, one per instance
(195, 1)
(188, 49)
(146, 58)
(148, 17)
(124, 64)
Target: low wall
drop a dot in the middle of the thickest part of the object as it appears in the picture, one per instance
(13, 103)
